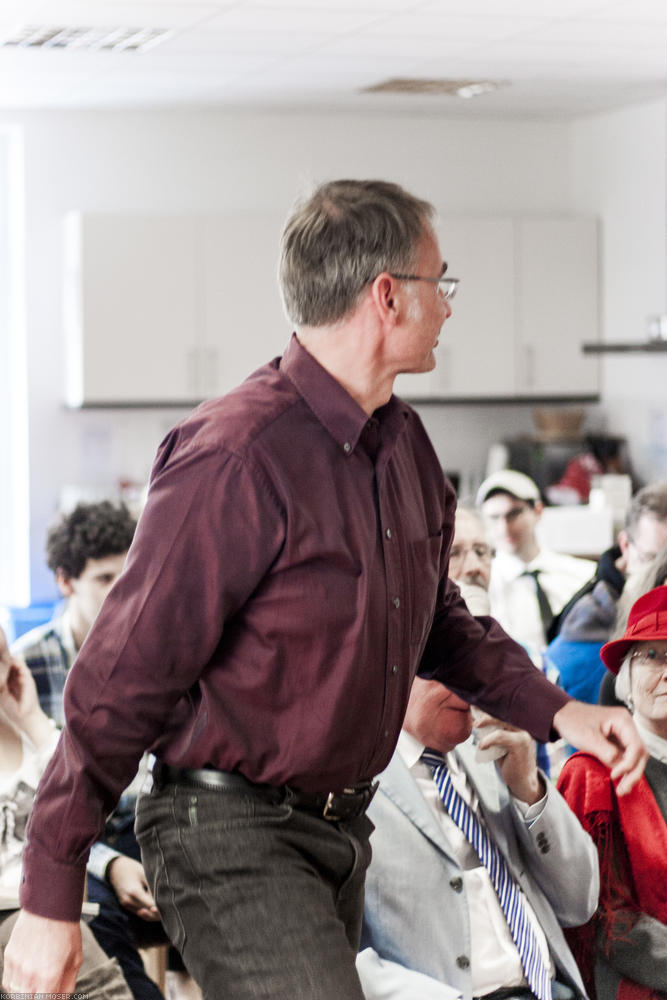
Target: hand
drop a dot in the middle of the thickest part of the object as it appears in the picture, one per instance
(20, 703)
(5, 660)
(128, 881)
(609, 734)
(518, 765)
(18, 698)
(42, 956)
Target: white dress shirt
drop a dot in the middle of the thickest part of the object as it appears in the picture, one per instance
(494, 959)
(514, 598)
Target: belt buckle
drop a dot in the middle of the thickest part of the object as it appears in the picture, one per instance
(331, 809)
(328, 811)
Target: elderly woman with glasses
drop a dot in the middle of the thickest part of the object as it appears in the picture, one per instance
(622, 951)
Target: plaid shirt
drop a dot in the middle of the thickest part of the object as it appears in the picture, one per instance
(49, 651)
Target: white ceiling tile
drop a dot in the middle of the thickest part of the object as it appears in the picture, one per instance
(637, 11)
(319, 52)
(197, 42)
(622, 34)
(374, 6)
(429, 25)
(517, 8)
(286, 19)
(395, 46)
(102, 13)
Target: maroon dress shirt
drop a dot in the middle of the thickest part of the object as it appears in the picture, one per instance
(287, 579)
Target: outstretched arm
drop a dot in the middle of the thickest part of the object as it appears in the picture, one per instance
(608, 733)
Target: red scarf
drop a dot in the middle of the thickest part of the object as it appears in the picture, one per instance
(586, 785)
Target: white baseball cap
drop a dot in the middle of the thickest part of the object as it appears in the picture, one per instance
(508, 481)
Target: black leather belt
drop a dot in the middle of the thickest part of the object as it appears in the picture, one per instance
(333, 806)
(509, 993)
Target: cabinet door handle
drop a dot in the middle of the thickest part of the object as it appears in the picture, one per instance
(192, 372)
(210, 379)
(529, 365)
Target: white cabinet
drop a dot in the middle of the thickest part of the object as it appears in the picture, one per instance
(557, 306)
(168, 309)
(527, 301)
(172, 309)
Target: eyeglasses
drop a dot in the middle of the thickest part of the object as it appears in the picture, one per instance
(513, 514)
(483, 552)
(447, 286)
(643, 556)
(649, 656)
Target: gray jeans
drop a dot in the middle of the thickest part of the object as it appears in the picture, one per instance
(261, 900)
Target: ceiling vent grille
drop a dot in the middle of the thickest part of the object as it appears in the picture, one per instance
(452, 88)
(85, 39)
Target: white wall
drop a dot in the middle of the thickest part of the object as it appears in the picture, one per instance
(210, 161)
(620, 172)
(214, 161)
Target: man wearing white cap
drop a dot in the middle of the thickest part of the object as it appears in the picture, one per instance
(529, 584)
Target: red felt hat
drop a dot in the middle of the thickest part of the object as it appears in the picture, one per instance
(647, 620)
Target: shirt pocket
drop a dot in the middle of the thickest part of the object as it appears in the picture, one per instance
(424, 574)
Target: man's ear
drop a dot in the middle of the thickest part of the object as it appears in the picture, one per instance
(538, 507)
(64, 582)
(383, 295)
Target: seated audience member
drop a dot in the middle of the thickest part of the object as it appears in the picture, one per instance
(622, 951)
(475, 865)
(86, 549)
(587, 620)
(651, 576)
(470, 567)
(27, 740)
(470, 560)
(529, 584)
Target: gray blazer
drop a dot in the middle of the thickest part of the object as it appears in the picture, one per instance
(416, 922)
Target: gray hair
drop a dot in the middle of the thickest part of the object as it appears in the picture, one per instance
(650, 499)
(622, 684)
(653, 575)
(338, 241)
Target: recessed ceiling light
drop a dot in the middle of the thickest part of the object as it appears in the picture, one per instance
(452, 88)
(84, 38)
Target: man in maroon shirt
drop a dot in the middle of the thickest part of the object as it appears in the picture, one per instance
(287, 580)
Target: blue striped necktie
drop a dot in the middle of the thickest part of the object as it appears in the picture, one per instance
(509, 897)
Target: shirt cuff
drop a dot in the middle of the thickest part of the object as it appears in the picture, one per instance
(51, 888)
(101, 856)
(530, 813)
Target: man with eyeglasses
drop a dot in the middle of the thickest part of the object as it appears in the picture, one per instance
(529, 583)
(287, 581)
(470, 560)
(588, 619)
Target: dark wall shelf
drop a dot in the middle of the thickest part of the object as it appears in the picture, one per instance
(498, 400)
(648, 347)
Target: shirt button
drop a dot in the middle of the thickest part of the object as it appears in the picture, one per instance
(394, 668)
(388, 533)
(396, 602)
(347, 447)
(387, 734)
(463, 962)
(456, 883)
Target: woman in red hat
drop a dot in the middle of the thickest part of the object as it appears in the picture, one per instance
(622, 951)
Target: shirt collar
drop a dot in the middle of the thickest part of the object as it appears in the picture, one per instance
(656, 745)
(410, 750)
(66, 635)
(335, 409)
(513, 567)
